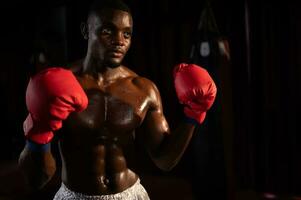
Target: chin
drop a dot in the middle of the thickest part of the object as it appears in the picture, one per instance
(113, 64)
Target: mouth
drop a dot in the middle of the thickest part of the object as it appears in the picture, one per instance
(116, 53)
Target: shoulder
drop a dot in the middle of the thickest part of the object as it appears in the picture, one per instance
(75, 67)
(147, 87)
(138, 80)
(150, 89)
(145, 84)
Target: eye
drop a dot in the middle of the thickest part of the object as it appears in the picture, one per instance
(106, 31)
(127, 35)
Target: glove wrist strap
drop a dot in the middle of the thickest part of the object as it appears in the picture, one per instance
(190, 121)
(35, 147)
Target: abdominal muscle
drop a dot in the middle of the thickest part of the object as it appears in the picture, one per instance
(94, 143)
(96, 169)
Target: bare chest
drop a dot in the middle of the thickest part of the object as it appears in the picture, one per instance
(115, 110)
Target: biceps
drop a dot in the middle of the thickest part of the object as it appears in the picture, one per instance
(156, 128)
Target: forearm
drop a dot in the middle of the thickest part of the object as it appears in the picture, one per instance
(173, 146)
(38, 167)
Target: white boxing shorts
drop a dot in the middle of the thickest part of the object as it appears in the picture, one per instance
(135, 192)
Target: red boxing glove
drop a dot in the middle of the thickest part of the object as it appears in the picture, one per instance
(195, 89)
(51, 96)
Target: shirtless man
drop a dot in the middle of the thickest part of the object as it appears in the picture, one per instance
(94, 109)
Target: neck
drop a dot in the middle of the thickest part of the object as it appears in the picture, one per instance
(96, 66)
(101, 72)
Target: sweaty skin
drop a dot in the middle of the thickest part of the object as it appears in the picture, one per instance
(93, 143)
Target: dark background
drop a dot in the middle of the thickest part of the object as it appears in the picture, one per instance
(255, 146)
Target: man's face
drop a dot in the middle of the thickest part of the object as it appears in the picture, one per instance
(110, 35)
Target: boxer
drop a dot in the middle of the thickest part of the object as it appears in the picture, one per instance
(94, 108)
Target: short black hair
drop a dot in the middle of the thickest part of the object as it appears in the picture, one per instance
(98, 5)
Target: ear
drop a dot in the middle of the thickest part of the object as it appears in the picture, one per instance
(84, 30)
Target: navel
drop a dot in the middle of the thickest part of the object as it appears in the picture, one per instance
(103, 181)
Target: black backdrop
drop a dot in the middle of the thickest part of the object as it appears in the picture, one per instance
(260, 89)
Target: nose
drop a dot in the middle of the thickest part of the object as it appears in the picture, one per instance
(118, 39)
